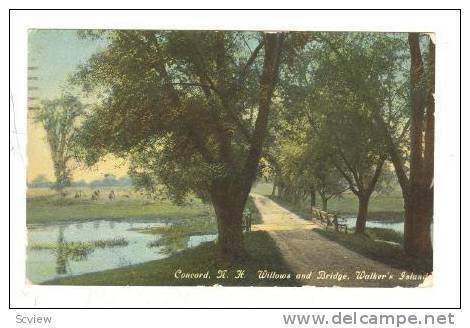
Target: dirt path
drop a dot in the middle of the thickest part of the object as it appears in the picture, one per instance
(316, 257)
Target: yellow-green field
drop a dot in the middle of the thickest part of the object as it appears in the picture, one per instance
(47, 206)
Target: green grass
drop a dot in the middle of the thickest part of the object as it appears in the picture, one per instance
(392, 255)
(79, 249)
(262, 188)
(261, 254)
(381, 207)
(46, 207)
(101, 243)
(385, 234)
(174, 238)
(76, 250)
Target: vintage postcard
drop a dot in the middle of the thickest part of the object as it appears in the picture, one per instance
(230, 158)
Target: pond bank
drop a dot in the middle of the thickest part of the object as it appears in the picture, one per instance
(200, 267)
(62, 250)
(64, 233)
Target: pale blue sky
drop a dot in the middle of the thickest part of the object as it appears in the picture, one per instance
(56, 53)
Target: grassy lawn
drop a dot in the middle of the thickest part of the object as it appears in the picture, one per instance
(385, 234)
(262, 254)
(382, 234)
(381, 207)
(262, 188)
(44, 206)
(387, 253)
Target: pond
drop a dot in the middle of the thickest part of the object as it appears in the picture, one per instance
(62, 250)
(396, 226)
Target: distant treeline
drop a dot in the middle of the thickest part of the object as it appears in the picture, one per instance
(108, 181)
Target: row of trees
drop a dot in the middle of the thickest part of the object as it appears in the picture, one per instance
(197, 111)
(358, 107)
(109, 180)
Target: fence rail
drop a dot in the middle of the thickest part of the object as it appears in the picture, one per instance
(328, 219)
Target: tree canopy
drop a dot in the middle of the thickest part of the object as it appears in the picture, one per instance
(59, 117)
(195, 112)
(189, 108)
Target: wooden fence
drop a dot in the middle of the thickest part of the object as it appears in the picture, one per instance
(328, 219)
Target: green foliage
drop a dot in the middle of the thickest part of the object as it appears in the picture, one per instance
(40, 182)
(180, 104)
(78, 250)
(59, 118)
(385, 235)
(384, 208)
(324, 136)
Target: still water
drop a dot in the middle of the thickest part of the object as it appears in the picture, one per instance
(397, 226)
(70, 249)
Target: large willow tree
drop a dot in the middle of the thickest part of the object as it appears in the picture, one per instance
(190, 109)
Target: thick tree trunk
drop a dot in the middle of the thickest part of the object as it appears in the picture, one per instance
(408, 224)
(418, 220)
(229, 213)
(362, 213)
(229, 197)
(419, 192)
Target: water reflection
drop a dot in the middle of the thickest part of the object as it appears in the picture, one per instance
(70, 249)
(396, 226)
(61, 256)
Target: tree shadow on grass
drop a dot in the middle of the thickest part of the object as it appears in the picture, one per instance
(386, 253)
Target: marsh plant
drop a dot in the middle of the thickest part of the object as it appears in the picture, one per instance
(170, 243)
(78, 250)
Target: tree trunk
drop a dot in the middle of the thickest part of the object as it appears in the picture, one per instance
(362, 214)
(229, 213)
(419, 192)
(408, 224)
(324, 202)
(229, 197)
(313, 200)
(273, 192)
(418, 219)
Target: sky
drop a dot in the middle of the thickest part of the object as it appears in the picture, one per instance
(55, 55)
